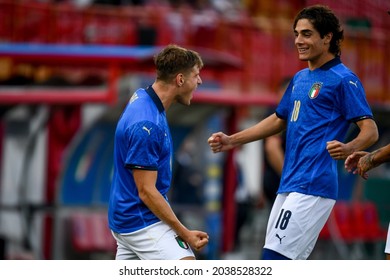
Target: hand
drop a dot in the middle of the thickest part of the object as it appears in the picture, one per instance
(364, 165)
(219, 142)
(357, 163)
(337, 150)
(198, 239)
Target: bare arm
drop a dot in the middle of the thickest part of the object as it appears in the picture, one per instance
(367, 136)
(380, 156)
(148, 193)
(362, 162)
(220, 142)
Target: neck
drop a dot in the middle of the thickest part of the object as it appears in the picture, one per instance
(163, 91)
(319, 61)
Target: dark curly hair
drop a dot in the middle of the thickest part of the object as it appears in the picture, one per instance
(325, 22)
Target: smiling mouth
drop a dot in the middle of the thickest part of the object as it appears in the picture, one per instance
(302, 50)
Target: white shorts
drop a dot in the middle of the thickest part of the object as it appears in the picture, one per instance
(295, 223)
(387, 248)
(155, 242)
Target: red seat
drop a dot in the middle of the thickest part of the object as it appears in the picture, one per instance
(341, 222)
(366, 221)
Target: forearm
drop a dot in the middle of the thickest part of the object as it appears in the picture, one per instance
(367, 136)
(160, 207)
(152, 198)
(267, 127)
(380, 156)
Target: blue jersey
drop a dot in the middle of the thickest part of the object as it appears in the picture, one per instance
(318, 106)
(142, 141)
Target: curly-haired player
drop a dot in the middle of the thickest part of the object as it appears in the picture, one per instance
(316, 110)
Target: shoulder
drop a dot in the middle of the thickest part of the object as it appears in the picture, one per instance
(141, 107)
(343, 72)
(145, 132)
(343, 77)
(140, 98)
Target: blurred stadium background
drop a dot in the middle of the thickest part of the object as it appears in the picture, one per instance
(68, 67)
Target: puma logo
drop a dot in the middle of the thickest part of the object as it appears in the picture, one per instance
(353, 83)
(280, 238)
(146, 129)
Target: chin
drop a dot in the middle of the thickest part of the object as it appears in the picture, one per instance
(303, 58)
(186, 103)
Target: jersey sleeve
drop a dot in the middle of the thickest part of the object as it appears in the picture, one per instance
(353, 100)
(144, 146)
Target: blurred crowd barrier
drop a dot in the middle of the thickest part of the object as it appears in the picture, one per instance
(260, 34)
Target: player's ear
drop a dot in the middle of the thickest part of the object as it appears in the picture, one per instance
(179, 79)
(328, 37)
